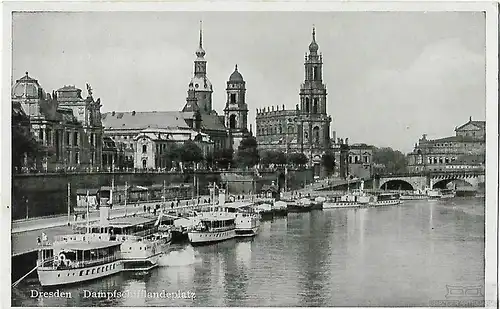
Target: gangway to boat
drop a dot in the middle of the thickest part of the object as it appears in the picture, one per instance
(22, 278)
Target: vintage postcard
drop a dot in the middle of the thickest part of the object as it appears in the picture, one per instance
(253, 154)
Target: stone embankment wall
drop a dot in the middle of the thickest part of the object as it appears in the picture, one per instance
(46, 194)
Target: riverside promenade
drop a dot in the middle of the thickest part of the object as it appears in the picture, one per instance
(25, 232)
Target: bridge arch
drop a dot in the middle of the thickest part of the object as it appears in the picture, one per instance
(396, 184)
(444, 183)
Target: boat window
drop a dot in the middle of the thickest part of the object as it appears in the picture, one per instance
(93, 270)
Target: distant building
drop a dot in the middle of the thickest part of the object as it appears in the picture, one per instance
(305, 129)
(360, 161)
(66, 124)
(353, 160)
(464, 151)
(142, 138)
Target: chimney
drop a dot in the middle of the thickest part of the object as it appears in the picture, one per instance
(104, 215)
(470, 118)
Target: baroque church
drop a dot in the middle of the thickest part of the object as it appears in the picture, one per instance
(141, 138)
(306, 128)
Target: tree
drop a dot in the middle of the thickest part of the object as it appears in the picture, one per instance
(272, 157)
(394, 161)
(297, 158)
(191, 153)
(223, 157)
(328, 162)
(23, 141)
(172, 154)
(247, 155)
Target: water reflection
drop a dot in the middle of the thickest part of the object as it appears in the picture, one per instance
(387, 256)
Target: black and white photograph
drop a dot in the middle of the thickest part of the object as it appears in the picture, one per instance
(253, 154)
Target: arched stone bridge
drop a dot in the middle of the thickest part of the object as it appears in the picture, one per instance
(475, 179)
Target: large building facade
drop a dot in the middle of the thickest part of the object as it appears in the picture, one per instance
(462, 152)
(67, 125)
(142, 138)
(307, 128)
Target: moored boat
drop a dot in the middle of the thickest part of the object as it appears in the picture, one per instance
(77, 258)
(280, 208)
(213, 227)
(448, 193)
(302, 205)
(264, 210)
(384, 199)
(318, 202)
(247, 223)
(433, 194)
(141, 254)
(345, 201)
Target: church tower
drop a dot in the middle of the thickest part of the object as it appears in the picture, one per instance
(313, 91)
(314, 131)
(236, 110)
(202, 86)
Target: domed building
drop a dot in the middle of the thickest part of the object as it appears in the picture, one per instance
(67, 126)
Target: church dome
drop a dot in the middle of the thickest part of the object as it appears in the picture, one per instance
(236, 76)
(27, 88)
(200, 83)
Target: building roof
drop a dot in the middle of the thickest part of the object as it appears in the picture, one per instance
(69, 93)
(236, 76)
(84, 245)
(478, 123)
(212, 122)
(130, 221)
(28, 88)
(143, 120)
(453, 139)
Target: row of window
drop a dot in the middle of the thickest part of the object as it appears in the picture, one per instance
(72, 138)
(94, 270)
(216, 235)
(357, 159)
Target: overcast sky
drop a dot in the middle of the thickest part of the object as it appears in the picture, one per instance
(391, 76)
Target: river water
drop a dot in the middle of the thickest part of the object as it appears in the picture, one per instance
(402, 255)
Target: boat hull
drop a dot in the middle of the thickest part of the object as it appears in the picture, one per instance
(384, 203)
(280, 212)
(55, 277)
(332, 205)
(202, 238)
(297, 208)
(414, 197)
(317, 205)
(247, 232)
(145, 264)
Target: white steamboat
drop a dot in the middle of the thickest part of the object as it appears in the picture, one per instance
(77, 258)
(213, 227)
